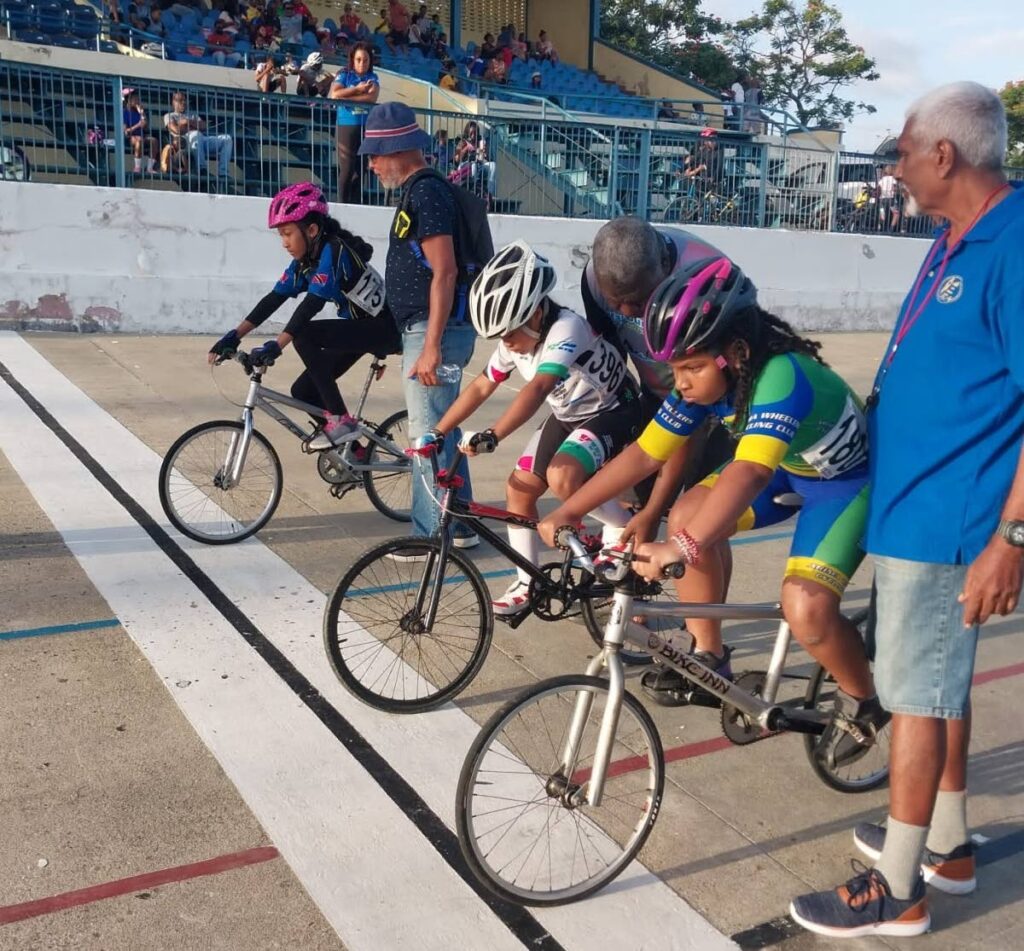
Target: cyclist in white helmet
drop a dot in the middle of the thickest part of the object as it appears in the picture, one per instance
(594, 401)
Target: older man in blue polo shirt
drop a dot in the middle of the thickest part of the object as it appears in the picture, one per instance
(946, 522)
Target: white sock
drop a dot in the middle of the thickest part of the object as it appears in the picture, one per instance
(900, 861)
(949, 821)
(525, 542)
(138, 165)
(150, 165)
(611, 513)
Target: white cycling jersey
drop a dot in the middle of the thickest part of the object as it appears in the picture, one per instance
(590, 370)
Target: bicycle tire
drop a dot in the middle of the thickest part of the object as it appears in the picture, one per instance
(851, 778)
(590, 611)
(358, 642)
(633, 789)
(185, 498)
(385, 489)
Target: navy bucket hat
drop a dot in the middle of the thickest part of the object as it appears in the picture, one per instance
(392, 127)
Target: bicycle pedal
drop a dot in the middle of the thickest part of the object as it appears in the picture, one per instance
(342, 488)
(513, 621)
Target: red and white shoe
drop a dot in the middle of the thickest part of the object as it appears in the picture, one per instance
(515, 600)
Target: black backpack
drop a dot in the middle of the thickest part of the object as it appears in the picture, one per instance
(474, 246)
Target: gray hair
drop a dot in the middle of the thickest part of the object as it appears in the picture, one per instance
(630, 258)
(968, 115)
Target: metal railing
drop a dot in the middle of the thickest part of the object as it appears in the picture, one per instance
(60, 125)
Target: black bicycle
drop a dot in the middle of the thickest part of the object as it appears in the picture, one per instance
(410, 623)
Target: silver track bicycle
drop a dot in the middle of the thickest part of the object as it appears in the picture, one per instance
(221, 481)
(562, 786)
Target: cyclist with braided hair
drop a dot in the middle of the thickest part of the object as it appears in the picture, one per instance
(801, 430)
(329, 265)
(594, 402)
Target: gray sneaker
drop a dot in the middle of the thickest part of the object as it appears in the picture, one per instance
(852, 730)
(336, 430)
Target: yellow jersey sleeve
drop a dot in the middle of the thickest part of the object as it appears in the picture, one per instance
(671, 427)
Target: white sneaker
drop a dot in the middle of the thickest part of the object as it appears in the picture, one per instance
(514, 601)
(336, 430)
(407, 556)
(465, 540)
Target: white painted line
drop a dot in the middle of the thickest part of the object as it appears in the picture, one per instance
(375, 878)
(637, 911)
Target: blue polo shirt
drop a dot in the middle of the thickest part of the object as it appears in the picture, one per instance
(354, 114)
(947, 429)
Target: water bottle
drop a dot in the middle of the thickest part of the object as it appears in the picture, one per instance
(449, 373)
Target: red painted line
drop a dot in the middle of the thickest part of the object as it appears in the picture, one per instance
(998, 674)
(123, 886)
(718, 743)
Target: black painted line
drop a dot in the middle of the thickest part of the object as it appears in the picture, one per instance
(518, 920)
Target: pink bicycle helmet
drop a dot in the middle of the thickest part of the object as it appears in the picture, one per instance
(693, 308)
(708, 133)
(295, 202)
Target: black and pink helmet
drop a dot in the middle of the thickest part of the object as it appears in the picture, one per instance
(295, 202)
(693, 308)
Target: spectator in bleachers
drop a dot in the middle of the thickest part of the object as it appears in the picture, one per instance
(314, 80)
(269, 78)
(476, 67)
(291, 23)
(506, 36)
(437, 28)
(398, 27)
(488, 49)
(442, 152)
(156, 23)
(135, 131)
(536, 80)
(416, 40)
(220, 45)
(439, 46)
(497, 71)
(231, 17)
(384, 24)
(447, 78)
(705, 166)
(189, 128)
(352, 26)
(265, 39)
(667, 111)
(473, 166)
(521, 48)
(138, 15)
(357, 86)
(545, 49)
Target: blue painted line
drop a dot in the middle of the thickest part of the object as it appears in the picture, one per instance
(751, 540)
(506, 572)
(58, 629)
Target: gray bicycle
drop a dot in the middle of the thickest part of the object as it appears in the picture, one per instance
(562, 786)
(221, 481)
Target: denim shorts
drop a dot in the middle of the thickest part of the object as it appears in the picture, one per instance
(924, 656)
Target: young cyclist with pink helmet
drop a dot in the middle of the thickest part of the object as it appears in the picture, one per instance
(801, 430)
(329, 265)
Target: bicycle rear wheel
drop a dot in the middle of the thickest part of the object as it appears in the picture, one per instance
(192, 479)
(523, 822)
(872, 769)
(374, 626)
(391, 491)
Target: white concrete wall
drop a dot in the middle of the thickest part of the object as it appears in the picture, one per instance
(159, 262)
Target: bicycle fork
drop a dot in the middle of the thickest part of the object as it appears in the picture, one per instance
(592, 791)
(231, 472)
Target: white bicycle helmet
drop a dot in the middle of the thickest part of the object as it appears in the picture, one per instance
(314, 61)
(508, 290)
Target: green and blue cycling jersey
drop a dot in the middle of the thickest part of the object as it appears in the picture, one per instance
(807, 426)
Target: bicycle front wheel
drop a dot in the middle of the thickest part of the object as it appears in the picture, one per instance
(524, 823)
(196, 491)
(376, 633)
(390, 490)
(864, 774)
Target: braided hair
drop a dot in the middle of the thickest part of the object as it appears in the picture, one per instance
(765, 336)
(332, 232)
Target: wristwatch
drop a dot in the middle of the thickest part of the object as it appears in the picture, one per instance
(1012, 531)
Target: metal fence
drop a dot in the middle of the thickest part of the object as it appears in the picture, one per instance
(64, 126)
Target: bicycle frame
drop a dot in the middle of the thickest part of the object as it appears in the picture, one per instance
(264, 398)
(765, 710)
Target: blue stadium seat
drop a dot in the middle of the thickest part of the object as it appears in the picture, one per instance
(50, 18)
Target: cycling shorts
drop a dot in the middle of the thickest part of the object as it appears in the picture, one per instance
(829, 536)
(591, 442)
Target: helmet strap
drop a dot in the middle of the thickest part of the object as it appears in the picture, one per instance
(530, 332)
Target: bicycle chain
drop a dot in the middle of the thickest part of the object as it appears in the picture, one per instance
(737, 727)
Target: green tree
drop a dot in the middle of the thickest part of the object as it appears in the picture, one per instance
(674, 34)
(804, 59)
(1012, 95)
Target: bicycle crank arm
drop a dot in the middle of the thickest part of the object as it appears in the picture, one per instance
(794, 722)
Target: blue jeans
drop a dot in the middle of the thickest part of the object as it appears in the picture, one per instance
(208, 146)
(924, 656)
(426, 405)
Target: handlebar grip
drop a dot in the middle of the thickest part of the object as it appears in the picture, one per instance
(484, 441)
(674, 571)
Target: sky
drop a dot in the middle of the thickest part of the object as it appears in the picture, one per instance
(918, 44)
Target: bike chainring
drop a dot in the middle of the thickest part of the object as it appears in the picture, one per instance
(553, 598)
(736, 725)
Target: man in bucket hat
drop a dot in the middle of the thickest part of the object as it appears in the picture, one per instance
(420, 285)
